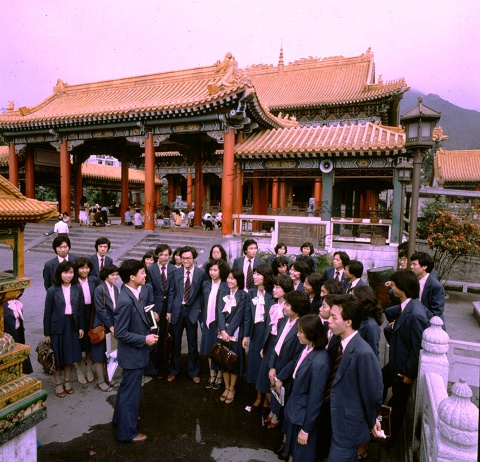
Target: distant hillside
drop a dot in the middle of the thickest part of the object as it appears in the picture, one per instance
(461, 125)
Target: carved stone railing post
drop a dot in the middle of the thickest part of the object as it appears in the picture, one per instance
(457, 426)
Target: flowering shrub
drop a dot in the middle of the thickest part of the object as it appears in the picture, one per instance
(452, 236)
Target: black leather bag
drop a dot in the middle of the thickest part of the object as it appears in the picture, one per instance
(224, 356)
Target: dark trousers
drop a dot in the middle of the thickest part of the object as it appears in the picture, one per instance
(127, 406)
(401, 393)
(184, 323)
(339, 454)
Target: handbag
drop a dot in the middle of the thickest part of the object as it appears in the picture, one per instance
(224, 356)
(97, 334)
(167, 345)
(46, 357)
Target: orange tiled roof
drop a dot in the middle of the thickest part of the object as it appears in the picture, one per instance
(109, 172)
(16, 209)
(457, 166)
(321, 82)
(3, 155)
(325, 140)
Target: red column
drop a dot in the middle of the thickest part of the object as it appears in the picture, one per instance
(256, 199)
(317, 194)
(171, 189)
(149, 218)
(12, 165)
(189, 190)
(197, 217)
(124, 196)
(65, 196)
(158, 197)
(227, 181)
(78, 190)
(238, 193)
(274, 196)
(282, 192)
(29, 173)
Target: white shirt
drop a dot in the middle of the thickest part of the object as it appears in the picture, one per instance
(422, 283)
(340, 275)
(60, 227)
(111, 291)
(66, 295)
(212, 302)
(304, 354)
(347, 339)
(404, 303)
(135, 292)
(185, 279)
(286, 330)
(86, 291)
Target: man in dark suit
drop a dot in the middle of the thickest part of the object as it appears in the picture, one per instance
(183, 311)
(405, 339)
(340, 260)
(248, 262)
(100, 259)
(132, 331)
(161, 277)
(61, 246)
(353, 272)
(354, 389)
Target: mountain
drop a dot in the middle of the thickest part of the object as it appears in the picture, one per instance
(461, 125)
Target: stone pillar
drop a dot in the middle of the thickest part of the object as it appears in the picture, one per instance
(79, 191)
(197, 218)
(327, 195)
(227, 181)
(189, 190)
(65, 196)
(396, 208)
(124, 197)
(317, 194)
(274, 196)
(149, 201)
(12, 165)
(238, 194)
(29, 172)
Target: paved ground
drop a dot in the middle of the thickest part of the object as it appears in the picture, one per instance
(184, 422)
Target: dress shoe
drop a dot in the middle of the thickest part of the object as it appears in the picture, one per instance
(155, 376)
(267, 419)
(196, 380)
(279, 449)
(171, 378)
(273, 424)
(282, 456)
(139, 438)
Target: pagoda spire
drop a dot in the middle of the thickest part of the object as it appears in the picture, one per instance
(280, 60)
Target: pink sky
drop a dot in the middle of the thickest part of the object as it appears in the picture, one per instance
(433, 44)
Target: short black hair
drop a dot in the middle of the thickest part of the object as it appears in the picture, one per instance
(129, 268)
(283, 281)
(333, 287)
(371, 308)
(175, 252)
(277, 262)
(312, 327)
(237, 274)
(279, 246)
(343, 256)
(100, 241)
(223, 252)
(65, 265)
(186, 249)
(407, 281)
(162, 247)
(315, 280)
(355, 267)
(248, 243)
(403, 250)
(308, 260)
(299, 301)
(302, 267)
(80, 262)
(309, 245)
(59, 240)
(423, 260)
(107, 270)
(266, 271)
(222, 267)
(351, 309)
(149, 254)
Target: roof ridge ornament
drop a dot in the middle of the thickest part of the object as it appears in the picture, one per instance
(232, 75)
(60, 87)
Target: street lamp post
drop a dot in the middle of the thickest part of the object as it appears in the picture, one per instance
(404, 171)
(419, 123)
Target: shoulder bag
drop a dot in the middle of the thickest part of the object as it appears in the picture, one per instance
(97, 334)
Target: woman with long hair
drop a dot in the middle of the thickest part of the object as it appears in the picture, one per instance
(313, 286)
(298, 273)
(217, 252)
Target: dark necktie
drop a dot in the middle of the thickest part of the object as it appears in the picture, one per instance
(350, 288)
(249, 274)
(337, 275)
(186, 289)
(101, 263)
(336, 363)
(164, 279)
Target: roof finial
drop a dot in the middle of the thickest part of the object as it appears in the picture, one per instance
(280, 59)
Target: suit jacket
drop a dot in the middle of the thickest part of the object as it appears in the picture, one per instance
(250, 310)
(238, 263)
(315, 306)
(433, 298)
(196, 296)
(207, 288)
(160, 296)
(232, 321)
(104, 306)
(330, 274)
(360, 283)
(131, 330)
(284, 364)
(356, 394)
(406, 340)
(55, 309)
(50, 267)
(146, 294)
(370, 332)
(268, 326)
(305, 401)
(96, 269)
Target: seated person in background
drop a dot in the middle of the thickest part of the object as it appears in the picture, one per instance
(61, 228)
(208, 222)
(128, 218)
(280, 251)
(280, 266)
(218, 219)
(308, 250)
(92, 218)
(138, 219)
(309, 261)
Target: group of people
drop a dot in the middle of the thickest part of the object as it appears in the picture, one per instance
(308, 342)
(92, 216)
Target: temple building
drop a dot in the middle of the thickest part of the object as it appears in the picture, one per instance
(262, 139)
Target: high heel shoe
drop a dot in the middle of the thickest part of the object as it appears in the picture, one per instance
(60, 394)
(256, 405)
(81, 378)
(90, 377)
(104, 386)
(69, 390)
(216, 384)
(229, 398)
(273, 424)
(211, 381)
(223, 396)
